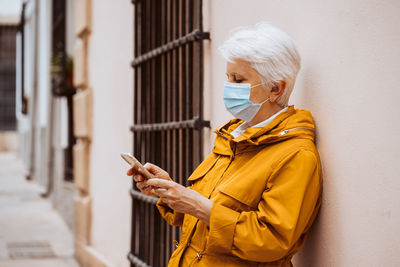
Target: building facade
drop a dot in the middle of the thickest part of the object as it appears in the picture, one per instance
(348, 80)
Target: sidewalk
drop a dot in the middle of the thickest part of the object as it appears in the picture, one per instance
(31, 232)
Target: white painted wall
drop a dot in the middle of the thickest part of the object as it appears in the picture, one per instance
(71, 37)
(44, 61)
(24, 120)
(111, 78)
(349, 81)
(10, 11)
(43, 95)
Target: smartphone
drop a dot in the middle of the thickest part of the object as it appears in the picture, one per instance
(136, 165)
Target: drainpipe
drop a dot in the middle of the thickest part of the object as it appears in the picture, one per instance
(50, 150)
(34, 93)
(50, 128)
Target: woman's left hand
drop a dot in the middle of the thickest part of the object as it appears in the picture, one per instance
(182, 199)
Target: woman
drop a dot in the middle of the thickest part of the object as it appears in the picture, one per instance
(253, 199)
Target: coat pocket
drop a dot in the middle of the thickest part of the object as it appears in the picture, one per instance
(246, 199)
(203, 168)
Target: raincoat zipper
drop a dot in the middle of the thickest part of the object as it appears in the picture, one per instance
(233, 152)
(289, 130)
(220, 134)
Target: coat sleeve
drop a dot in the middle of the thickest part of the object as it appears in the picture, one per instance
(176, 218)
(172, 217)
(287, 206)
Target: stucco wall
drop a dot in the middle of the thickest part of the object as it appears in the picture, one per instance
(10, 11)
(349, 81)
(110, 76)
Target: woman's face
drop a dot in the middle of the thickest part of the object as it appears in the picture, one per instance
(240, 71)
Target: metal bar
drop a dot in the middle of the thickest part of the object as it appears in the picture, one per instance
(163, 84)
(194, 123)
(142, 197)
(138, 119)
(169, 133)
(152, 235)
(146, 232)
(24, 102)
(175, 89)
(141, 234)
(136, 261)
(156, 144)
(69, 157)
(200, 63)
(146, 87)
(195, 82)
(146, 142)
(195, 35)
(136, 225)
(135, 150)
(182, 95)
(164, 106)
(160, 239)
(175, 106)
(189, 98)
(151, 146)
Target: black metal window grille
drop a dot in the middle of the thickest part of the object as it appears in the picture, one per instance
(168, 102)
(61, 76)
(21, 30)
(8, 36)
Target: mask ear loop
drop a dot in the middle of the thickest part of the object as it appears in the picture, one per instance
(258, 84)
(264, 101)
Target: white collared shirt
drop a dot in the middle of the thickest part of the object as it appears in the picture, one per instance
(243, 127)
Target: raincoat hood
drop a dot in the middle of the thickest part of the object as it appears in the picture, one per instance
(293, 123)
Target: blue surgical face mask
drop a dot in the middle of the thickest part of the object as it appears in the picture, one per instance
(237, 100)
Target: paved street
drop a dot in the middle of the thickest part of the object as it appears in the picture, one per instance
(31, 232)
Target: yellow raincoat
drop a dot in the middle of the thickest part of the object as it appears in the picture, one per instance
(266, 190)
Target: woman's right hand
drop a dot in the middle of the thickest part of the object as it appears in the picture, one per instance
(156, 171)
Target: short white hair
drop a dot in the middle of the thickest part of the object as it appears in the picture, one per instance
(270, 51)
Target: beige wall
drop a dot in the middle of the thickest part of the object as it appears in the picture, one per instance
(10, 11)
(350, 82)
(111, 78)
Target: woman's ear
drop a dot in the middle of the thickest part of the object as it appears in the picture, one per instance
(277, 90)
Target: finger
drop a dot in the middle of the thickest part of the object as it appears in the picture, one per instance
(161, 192)
(138, 178)
(153, 191)
(140, 185)
(144, 189)
(161, 183)
(157, 171)
(156, 192)
(153, 169)
(148, 191)
(165, 201)
(144, 185)
(131, 171)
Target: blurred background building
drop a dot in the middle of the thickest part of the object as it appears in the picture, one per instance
(9, 20)
(83, 80)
